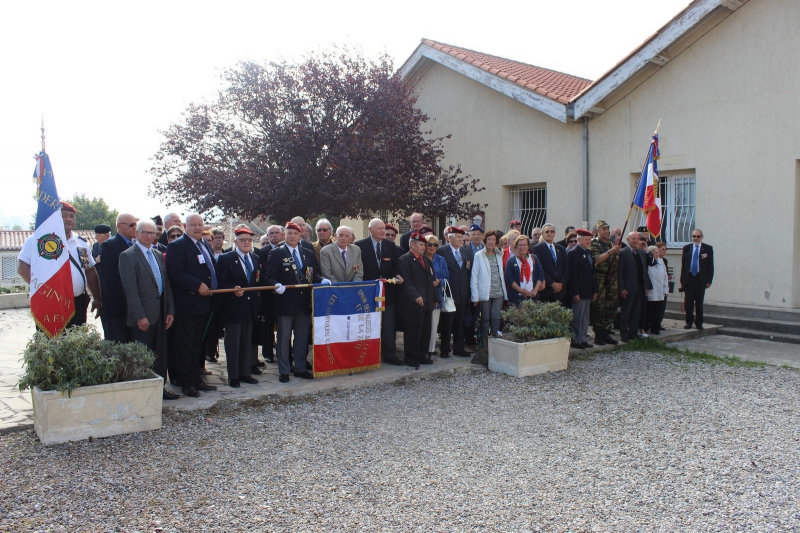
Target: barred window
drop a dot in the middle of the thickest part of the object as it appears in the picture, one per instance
(8, 270)
(677, 208)
(529, 206)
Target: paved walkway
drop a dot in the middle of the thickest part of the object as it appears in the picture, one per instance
(772, 353)
(16, 328)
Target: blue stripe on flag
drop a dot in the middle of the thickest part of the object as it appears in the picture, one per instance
(46, 195)
(347, 298)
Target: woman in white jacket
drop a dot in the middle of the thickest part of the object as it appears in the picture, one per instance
(657, 299)
(488, 290)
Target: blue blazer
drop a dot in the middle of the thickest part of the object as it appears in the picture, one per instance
(111, 291)
(279, 270)
(186, 273)
(512, 275)
(238, 309)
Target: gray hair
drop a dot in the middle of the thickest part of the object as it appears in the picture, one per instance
(322, 221)
(348, 228)
(145, 222)
(217, 231)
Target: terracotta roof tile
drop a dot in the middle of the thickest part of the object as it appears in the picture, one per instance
(11, 240)
(555, 85)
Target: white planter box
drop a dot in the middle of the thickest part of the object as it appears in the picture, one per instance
(14, 301)
(520, 359)
(97, 411)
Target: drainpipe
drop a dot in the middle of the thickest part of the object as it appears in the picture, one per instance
(585, 172)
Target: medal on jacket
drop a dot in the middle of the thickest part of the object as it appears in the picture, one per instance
(310, 274)
(83, 253)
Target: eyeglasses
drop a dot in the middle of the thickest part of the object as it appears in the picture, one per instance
(128, 224)
(697, 236)
(323, 229)
(432, 245)
(244, 240)
(147, 232)
(174, 235)
(572, 241)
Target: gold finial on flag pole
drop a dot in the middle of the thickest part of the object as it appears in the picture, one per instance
(42, 133)
(659, 125)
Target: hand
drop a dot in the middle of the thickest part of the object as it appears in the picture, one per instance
(576, 298)
(238, 293)
(623, 294)
(203, 290)
(97, 306)
(646, 292)
(420, 301)
(436, 282)
(399, 280)
(474, 304)
(533, 293)
(614, 250)
(280, 289)
(594, 297)
(557, 287)
(326, 281)
(168, 322)
(708, 285)
(143, 324)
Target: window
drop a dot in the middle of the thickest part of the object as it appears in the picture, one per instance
(529, 206)
(8, 271)
(677, 210)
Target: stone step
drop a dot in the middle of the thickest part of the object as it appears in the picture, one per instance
(744, 311)
(761, 335)
(773, 326)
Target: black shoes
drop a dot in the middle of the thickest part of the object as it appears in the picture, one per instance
(205, 387)
(205, 372)
(393, 361)
(261, 364)
(463, 353)
(284, 378)
(249, 379)
(608, 339)
(170, 395)
(445, 355)
(270, 360)
(233, 383)
(598, 339)
(700, 327)
(587, 345)
(190, 391)
(576, 345)
(304, 375)
(425, 361)
(412, 364)
(687, 326)
(255, 370)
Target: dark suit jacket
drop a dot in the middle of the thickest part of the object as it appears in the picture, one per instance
(230, 274)
(404, 242)
(279, 270)
(626, 271)
(511, 275)
(141, 288)
(563, 243)
(267, 298)
(705, 262)
(459, 276)
(186, 273)
(557, 272)
(582, 281)
(113, 294)
(96, 250)
(416, 282)
(387, 268)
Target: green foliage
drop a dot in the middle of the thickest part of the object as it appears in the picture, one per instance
(17, 289)
(92, 212)
(536, 321)
(79, 357)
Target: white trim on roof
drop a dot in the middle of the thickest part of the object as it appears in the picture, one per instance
(668, 35)
(527, 97)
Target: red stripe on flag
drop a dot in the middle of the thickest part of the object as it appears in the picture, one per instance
(53, 305)
(345, 357)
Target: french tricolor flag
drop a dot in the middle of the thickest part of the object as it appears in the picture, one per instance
(51, 298)
(646, 197)
(347, 327)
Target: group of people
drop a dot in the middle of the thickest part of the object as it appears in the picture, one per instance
(171, 284)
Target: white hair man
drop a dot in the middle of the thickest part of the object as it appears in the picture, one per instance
(416, 221)
(324, 230)
(341, 261)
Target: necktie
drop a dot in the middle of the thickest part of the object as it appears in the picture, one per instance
(344, 258)
(248, 267)
(695, 261)
(156, 271)
(378, 252)
(553, 253)
(210, 264)
(297, 259)
(457, 253)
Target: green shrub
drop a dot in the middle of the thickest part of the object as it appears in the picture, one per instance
(17, 289)
(536, 321)
(79, 357)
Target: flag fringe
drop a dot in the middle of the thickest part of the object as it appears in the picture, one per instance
(44, 330)
(346, 371)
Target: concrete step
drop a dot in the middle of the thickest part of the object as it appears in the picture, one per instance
(784, 327)
(744, 311)
(761, 335)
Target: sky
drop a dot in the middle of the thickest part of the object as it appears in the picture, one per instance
(107, 77)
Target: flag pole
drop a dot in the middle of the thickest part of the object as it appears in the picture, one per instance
(43, 133)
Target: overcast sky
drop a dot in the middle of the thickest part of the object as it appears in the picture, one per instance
(107, 76)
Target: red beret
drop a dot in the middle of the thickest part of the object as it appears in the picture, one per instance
(515, 223)
(68, 207)
(426, 229)
(583, 232)
(243, 231)
(292, 225)
(455, 229)
(389, 226)
(417, 237)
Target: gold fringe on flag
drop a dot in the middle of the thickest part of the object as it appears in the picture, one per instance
(346, 371)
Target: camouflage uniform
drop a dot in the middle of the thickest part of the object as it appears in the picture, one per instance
(603, 311)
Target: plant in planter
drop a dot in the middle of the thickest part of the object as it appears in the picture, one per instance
(535, 340)
(109, 387)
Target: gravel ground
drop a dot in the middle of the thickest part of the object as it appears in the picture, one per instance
(625, 442)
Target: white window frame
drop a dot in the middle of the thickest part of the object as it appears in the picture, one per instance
(528, 204)
(679, 213)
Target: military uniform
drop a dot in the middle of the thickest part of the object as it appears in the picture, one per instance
(603, 310)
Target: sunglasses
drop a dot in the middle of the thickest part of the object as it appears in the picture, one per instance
(697, 236)
(573, 241)
(174, 235)
(130, 225)
(432, 245)
(323, 229)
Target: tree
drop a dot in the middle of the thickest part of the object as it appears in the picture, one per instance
(334, 134)
(92, 212)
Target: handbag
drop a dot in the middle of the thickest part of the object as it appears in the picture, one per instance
(448, 304)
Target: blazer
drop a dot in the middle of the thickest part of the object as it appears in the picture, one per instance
(582, 280)
(266, 298)
(705, 262)
(230, 274)
(141, 288)
(404, 242)
(512, 275)
(481, 278)
(186, 273)
(385, 268)
(554, 272)
(280, 270)
(112, 293)
(459, 276)
(626, 271)
(333, 268)
(417, 281)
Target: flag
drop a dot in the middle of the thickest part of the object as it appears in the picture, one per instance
(51, 296)
(347, 327)
(646, 197)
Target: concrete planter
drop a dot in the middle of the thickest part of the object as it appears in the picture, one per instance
(97, 411)
(14, 301)
(520, 359)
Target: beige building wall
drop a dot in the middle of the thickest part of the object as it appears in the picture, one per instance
(730, 116)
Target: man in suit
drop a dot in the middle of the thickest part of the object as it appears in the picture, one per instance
(459, 264)
(697, 273)
(170, 220)
(634, 284)
(379, 256)
(239, 310)
(115, 323)
(268, 319)
(192, 272)
(151, 308)
(324, 232)
(417, 299)
(416, 221)
(101, 234)
(553, 259)
(293, 264)
(301, 223)
(341, 261)
(582, 286)
(390, 232)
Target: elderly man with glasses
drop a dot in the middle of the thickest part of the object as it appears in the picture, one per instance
(115, 311)
(697, 273)
(324, 230)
